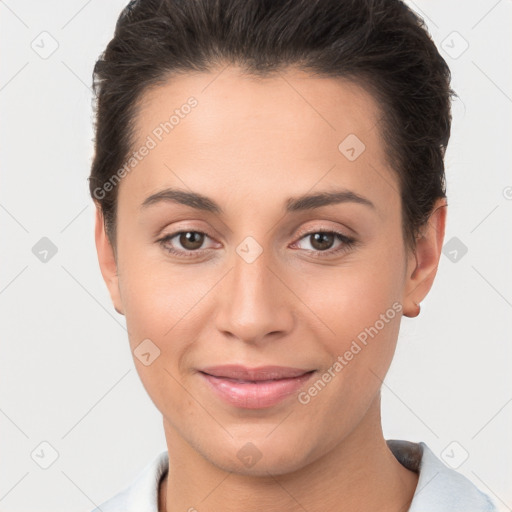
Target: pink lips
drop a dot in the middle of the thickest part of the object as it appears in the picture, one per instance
(254, 388)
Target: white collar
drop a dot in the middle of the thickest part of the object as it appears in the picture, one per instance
(439, 488)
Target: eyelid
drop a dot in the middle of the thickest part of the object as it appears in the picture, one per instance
(172, 230)
(322, 227)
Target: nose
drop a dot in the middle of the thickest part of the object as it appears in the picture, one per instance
(254, 305)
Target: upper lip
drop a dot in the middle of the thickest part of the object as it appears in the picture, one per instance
(235, 371)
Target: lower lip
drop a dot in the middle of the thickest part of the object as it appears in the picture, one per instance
(255, 394)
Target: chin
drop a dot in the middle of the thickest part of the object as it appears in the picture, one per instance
(260, 456)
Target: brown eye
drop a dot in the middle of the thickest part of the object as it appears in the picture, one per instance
(322, 241)
(191, 240)
(185, 243)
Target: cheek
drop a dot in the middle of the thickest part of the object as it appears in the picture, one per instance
(159, 308)
(353, 296)
(170, 306)
(360, 311)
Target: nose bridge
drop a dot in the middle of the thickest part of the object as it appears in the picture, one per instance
(253, 304)
(251, 274)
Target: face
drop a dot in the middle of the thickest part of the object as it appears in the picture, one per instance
(251, 275)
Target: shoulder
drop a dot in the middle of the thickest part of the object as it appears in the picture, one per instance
(440, 488)
(142, 493)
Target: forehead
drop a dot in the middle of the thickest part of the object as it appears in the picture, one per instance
(293, 103)
(288, 130)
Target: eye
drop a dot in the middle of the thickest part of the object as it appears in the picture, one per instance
(322, 241)
(190, 241)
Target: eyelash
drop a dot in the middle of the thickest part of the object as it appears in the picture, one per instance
(348, 243)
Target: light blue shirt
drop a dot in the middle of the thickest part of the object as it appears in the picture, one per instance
(439, 489)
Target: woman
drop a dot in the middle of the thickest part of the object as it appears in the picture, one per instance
(270, 193)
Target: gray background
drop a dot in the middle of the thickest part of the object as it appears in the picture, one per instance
(67, 376)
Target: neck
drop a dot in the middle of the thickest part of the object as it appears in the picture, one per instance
(360, 473)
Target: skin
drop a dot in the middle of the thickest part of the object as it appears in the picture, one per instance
(249, 145)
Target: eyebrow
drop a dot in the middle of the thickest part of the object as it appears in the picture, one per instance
(293, 204)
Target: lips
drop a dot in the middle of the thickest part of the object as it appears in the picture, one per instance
(254, 388)
(243, 373)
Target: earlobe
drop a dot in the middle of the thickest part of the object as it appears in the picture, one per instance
(424, 262)
(107, 261)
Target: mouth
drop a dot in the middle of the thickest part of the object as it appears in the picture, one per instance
(254, 388)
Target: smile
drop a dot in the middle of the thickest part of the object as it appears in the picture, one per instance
(255, 388)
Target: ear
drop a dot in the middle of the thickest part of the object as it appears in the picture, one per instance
(423, 263)
(107, 261)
